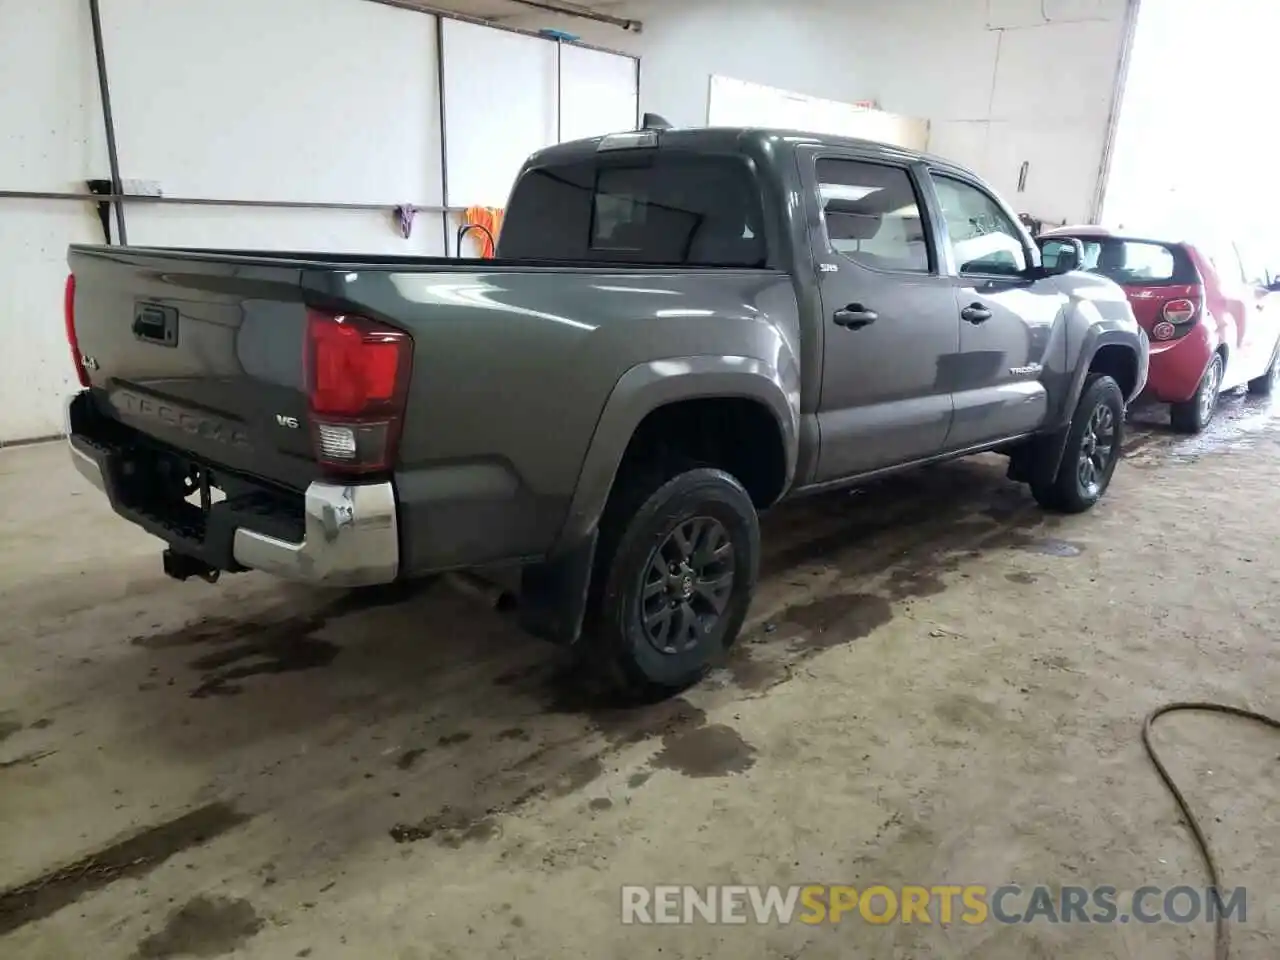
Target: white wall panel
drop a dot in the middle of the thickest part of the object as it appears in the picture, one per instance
(736, 103)
(264, 228)
(320, 100)
(1002, 82)
(499, 107)
(51, 132)
(598, 92)
(51, 139)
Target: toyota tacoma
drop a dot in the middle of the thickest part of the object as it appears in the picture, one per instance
(680, 329)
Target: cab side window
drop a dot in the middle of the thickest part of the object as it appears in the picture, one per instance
(984, 239)
(872, 215)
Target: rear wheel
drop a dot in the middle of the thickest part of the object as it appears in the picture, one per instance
(1091, 452)
(677, 566)
(1194, 415)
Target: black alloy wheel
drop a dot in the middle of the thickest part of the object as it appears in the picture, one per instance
(687, 584)
(1097, 450)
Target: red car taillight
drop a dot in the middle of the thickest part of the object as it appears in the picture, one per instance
(357, 374)
(69, 319)
(1178, 316)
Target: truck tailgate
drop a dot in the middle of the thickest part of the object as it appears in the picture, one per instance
(200, 352)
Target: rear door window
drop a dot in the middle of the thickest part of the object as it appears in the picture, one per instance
(872, 215)
(663, 208)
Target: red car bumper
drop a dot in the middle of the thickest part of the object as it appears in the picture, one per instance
(1177, 366)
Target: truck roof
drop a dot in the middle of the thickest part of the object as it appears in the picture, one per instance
(748, 140)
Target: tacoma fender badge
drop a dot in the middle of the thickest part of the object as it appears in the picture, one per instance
(1029, 369)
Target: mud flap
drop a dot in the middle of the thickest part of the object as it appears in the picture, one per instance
(553, 594)
(1037, 461)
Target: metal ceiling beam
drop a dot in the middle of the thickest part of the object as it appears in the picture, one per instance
(547, 6)
(584, 13)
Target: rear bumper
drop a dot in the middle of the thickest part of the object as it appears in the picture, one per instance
(1177, 366)
(331, 534)
(349, 538)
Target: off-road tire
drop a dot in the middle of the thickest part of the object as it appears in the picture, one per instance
(1066, 493)
(644, 510)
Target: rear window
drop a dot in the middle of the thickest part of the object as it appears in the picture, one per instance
(663, 208)
(1132, 262)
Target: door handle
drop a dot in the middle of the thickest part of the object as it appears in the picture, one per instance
(855, 316)
(975, 313)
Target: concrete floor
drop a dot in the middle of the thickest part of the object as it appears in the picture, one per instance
(937, 684)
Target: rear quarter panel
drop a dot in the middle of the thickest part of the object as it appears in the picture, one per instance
(512, 371)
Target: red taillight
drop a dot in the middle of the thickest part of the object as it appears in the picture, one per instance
(1178, 315)
(357, 381)
(1180, 311)
(69, 319)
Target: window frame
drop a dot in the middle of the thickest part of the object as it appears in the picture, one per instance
(1030, 252)
(933, 261)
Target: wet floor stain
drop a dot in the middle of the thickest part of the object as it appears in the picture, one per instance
(1051, 547)
(1022, 577)
(8, 728)
(751, 672)
(256, 647)
(714, 750)
(513, 733)
(599, 804)
(639, 779)
(277, 649)
(1238, 420)
(205, 926)
(132, 857)
(576, 776)
(450, 827)
(450, 739)
(407, 759)
(28, 759)
(837, 618)
(453, 827)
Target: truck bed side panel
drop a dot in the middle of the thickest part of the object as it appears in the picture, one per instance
(512, 369)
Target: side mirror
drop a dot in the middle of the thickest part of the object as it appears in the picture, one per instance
(1059, 255)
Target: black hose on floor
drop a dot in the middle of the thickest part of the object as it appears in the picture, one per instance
(1221, 935)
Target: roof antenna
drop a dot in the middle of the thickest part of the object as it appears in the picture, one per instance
(654, 121)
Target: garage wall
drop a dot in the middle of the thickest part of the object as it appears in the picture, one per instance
(305, 101)
(1001, 81)
(295, 100)
(50, 139)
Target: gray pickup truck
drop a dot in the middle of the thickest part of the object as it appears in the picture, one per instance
(680, 329)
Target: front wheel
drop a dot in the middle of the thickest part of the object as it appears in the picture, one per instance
(1091, 452)
(1194, 415)
(678, 567)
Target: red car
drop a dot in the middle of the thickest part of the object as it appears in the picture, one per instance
(1212, 327)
